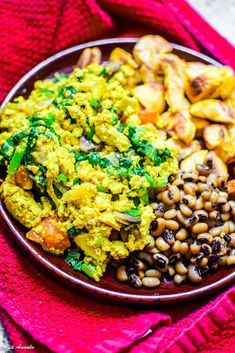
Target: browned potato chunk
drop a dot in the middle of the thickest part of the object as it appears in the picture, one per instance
(214, 110)
(22, 179)
(214, 135)
(175, 82)
(190, 162)
(199, 124)
(203, 85)
(182, 127)
(182, 150)
(89, 56)
(122, 56)
(151, 96)
(219, 168)
(226, 150)
(149, 75)
(227, 83)
(148, 47)
(49, 235)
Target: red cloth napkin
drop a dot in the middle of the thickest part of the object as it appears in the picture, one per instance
(40, 312)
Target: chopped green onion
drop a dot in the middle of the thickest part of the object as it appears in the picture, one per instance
(74, 231)
(102, 72)
(62, 177)
(94, 103)
(91, 132)
(101, 188)
(135, 212)
(17, 157)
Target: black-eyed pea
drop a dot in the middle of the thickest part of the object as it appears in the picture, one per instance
(215, 231)
(199, 204)
(205, 238)
(168, 236)
(173, 189)
(159, 196)
(159, 211)
(135, 281)
(179, 279)
(176, 246)
(161, 261)
(140, 274)
(151, 243)
(199, 228)
(202, 215)
(137, 264)
(225, 208)
(193, 274)
(153, 273)
(206, 194)
(180, 268)
(154, 205)
(202, 187)
(232, 236)
(223, 260)
(168, 198)
(190, 188)
(202, 179)
(231, 226)
(231, 260)
(180, 217)
(221, 200)
(171, 270)
(203, 262)
(182, 234)
(214, 196)
(122, 274)
(190, 221)
(160, 226)
(170, 214)
(225, 217)
(142, 255)
(153, 250)
(185, 210)
(214, 215)
(150, 282)
(209, 206)
(189, 200)
(161, 244)
(184, 248)
(195, 247)
(223, 194)
(171, 224)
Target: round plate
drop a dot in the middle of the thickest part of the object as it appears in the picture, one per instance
(108, 288)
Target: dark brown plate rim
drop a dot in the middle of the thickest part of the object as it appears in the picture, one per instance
(76, 282)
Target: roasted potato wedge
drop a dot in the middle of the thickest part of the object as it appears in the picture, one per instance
(203, 85)
(190, 162)
(151, 96)
(148, 75)
(182, 151)
(214, 135)
(182, 127)
(219, 168)
(226, 150)
(89, 56)
(122, 56)
(227, 84)
(213, 110)
(175, 82)
(148, 47)
(200, 124)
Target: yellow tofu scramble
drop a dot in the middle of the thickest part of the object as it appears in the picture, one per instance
(80, 166)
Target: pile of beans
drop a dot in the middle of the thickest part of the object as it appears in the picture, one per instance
(193, 232)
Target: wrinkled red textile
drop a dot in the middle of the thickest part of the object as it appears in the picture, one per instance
(37, 311)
